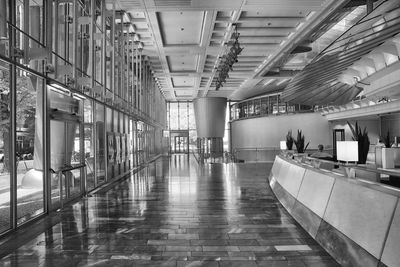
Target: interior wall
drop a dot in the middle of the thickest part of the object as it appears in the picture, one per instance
(269, 131)
(391, 123)
(372, 125)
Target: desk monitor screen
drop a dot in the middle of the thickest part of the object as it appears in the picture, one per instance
(347, 151)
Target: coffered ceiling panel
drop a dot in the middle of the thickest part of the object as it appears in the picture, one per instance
(181, 28)
(183, 82)
(182, 63)
(184, 41)
(183, 93)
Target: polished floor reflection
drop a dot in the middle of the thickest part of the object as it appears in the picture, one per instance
(173, 213)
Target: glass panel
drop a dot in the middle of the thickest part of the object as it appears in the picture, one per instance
(183, 116)
(134, 146)
(241, 110)
(29, 145)
(64, 125)
(250, 108)
(257, 107)
(89, 144)
(29, 18)
(110, 143)
(174, 116)
(98, 15)
(4, 38)
(192, 140)
(56, 161)
(100, 145)
(264, 105)
(192, 119)
(108, 65)
(273, 105)
(60, 16)
(140, 142)
(4, 146)
(98, 50)
(74, 177)
(130, 144)
(168, 116)
(70, 32)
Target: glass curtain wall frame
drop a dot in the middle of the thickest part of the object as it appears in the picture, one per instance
(100, 133)
(22, 158)
(66, 140)
(52, 26)
(180, 116)
(89, 144)
(265, 106)
(6, 196)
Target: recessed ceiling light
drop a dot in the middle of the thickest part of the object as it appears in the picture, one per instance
(300, 25)
(282, 81)
(182, 29)
(310, 15)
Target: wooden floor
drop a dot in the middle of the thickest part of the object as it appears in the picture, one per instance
(173, 213)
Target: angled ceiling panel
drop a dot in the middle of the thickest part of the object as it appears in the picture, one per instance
(318, 83)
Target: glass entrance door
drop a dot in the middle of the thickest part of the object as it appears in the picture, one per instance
(66, 147)
(179, 141)
(181, 144)
(65, 161)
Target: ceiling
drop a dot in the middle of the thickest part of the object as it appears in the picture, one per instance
(184, 39)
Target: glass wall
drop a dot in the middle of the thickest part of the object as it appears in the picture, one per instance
(181, 117)
(29, 145)
(89, 144)
(264, 106)
(100, 145)
(77, 98)
(5, 164)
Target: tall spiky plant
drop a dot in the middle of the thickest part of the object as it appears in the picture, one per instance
(386, 140)
(299, 142)
(363, 141)
(289, 140)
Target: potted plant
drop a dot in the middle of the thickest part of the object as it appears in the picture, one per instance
(363, 141)
(289, 140)
(299, 143)
(387, 153)
(289, 145)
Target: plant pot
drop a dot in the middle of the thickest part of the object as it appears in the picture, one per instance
(388, 158)
(300, 157)
(288, 153)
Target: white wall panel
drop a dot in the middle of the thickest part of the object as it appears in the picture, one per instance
(269, 131)
(315, 191)
(361, 213)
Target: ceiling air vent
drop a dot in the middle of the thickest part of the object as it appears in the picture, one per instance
(131, 4)
(172, 3)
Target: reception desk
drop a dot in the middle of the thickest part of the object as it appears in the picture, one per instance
(356, 221)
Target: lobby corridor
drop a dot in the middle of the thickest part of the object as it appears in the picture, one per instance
(172, 213)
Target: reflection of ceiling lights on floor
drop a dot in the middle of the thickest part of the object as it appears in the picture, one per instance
(226, 61)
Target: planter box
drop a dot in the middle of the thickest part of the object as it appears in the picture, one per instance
(388, 158)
